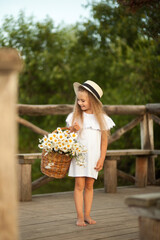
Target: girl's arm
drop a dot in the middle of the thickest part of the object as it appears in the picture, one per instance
(104, 144)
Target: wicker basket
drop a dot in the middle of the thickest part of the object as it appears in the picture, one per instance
(59, 164)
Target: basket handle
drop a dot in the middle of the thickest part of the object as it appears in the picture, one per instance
(63, 128)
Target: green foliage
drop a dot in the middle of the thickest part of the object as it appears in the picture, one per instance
(149, 21)
(115, 47)
(44, 49)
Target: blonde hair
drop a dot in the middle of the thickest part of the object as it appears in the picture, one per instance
(96, 107)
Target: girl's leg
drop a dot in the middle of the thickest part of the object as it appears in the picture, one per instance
(78, 198)
(88, 198)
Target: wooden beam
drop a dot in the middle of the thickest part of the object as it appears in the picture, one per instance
(153, 108)
(41, 181)
(63, 109)
(30, 125)
(155, 118)
(110, 176)
(29, 156)
(131, 152)
(147, 142)
(10, 65)
(141, 171)
(42, 110)
(125, 109)
(151, 159)
(25, 157)
(25, 186)
(120, 132)
(149, 228)
(126, 176)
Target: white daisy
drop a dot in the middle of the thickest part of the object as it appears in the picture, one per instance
(68, 146)
(59, 145)
(49, 145)
(64, 149)
(59, 129)
(70, 140)
(60, 136)
(55, 140)
(73, 135)
(45, 139)
(50, 137)
(40, 146)
(56, 148)
(54, 135)
(46, 144)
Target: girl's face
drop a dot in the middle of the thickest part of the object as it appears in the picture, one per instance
(83, 102)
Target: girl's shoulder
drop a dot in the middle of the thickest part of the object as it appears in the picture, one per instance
(69, 119)
(90, 121)
(109, 122)
(70, 116)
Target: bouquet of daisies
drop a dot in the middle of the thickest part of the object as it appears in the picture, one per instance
(64, 142)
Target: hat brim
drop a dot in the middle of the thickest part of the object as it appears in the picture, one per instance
(76, 85)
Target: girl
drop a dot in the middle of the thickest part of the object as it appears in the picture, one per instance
(92, 125)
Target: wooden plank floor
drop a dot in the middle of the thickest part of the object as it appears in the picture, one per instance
(53, 217)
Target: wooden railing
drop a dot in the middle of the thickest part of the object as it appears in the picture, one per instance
(145, 115)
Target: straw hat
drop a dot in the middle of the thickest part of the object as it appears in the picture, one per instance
(90, 86)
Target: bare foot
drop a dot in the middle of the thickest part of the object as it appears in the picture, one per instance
(80, 222)
(89, 220)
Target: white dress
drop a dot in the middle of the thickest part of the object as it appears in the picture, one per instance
(90, 137)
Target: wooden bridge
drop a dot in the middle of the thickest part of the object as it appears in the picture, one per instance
(53, 216)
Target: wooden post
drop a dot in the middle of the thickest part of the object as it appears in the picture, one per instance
(24, 175)
(147, 142)
(151, 162)
(10, 65)
(141, 171)
(146, 207)
(149, 228)
(25, 182)
(110, 176)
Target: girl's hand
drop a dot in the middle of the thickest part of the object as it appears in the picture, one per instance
(99, 165)
(75, 127)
